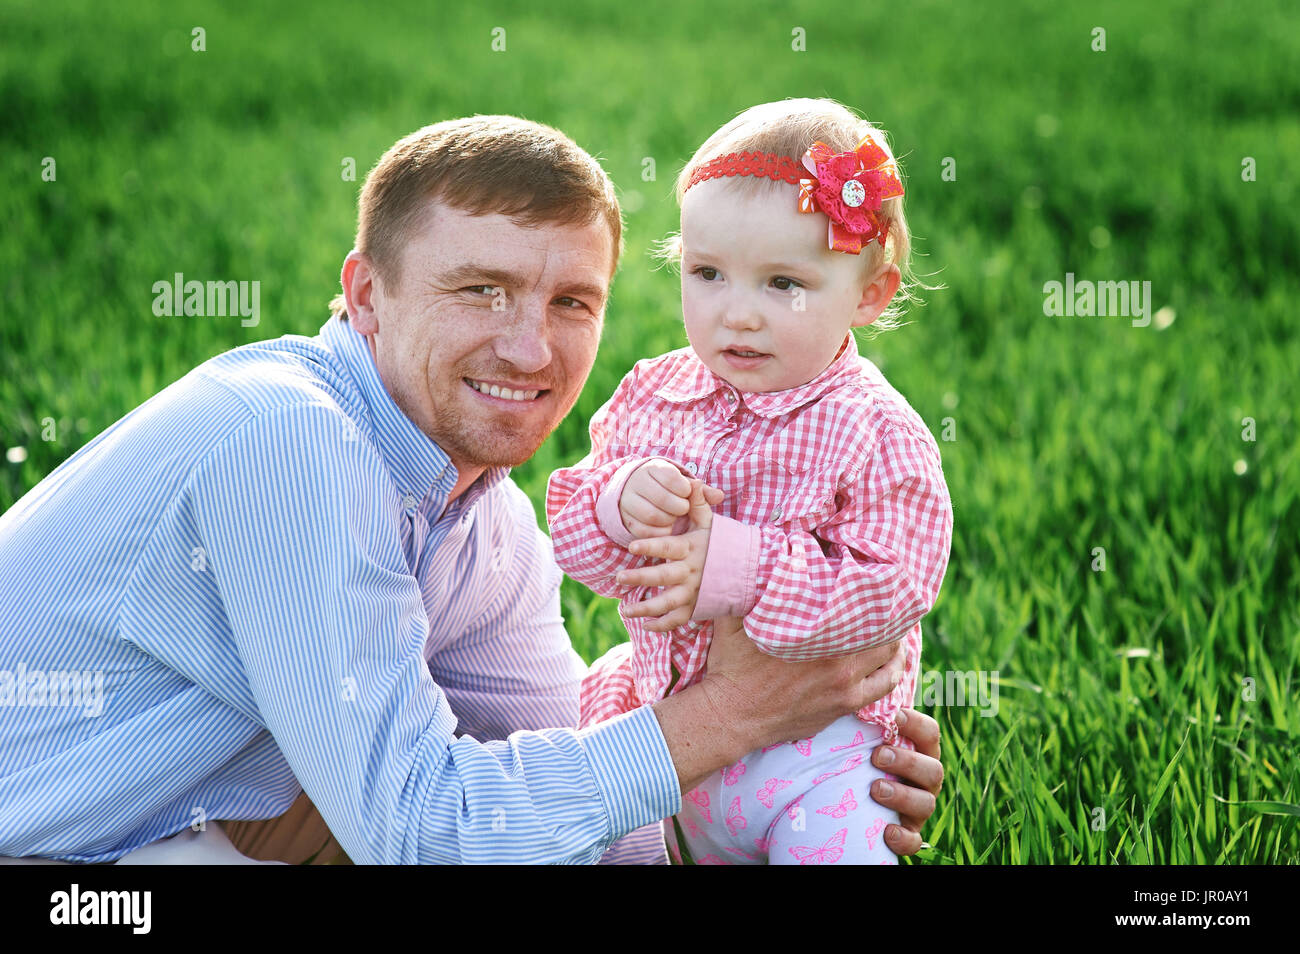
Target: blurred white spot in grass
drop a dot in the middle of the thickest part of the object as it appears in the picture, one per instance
(1099, 236)
(632, 201)
(1239, 467)
(16, 455)
(1046, 126)
(949, 400)
(1164, 318)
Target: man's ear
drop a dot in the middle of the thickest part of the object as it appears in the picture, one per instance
(877, 293)
(359, 291)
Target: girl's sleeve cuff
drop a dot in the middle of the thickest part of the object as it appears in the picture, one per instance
(728, 585)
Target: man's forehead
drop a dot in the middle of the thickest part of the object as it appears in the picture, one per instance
(450, 239)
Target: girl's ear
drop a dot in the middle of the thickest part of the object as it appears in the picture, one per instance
(876, 295)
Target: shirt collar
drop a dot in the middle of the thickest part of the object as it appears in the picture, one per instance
(696, 381)
(416, 462)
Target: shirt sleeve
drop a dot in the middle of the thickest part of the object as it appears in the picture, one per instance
(871, 573)
(302, 532)
(514, 666)
(587, 531)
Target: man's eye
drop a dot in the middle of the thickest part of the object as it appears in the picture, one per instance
(482, 289)
(781, 283)
(707, 273)
(567, 302)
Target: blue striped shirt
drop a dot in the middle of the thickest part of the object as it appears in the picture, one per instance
(259, 569)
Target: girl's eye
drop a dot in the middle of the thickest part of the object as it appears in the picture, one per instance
(707, 273)
(785, 284)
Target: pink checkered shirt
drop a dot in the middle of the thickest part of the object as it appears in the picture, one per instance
(833, 535)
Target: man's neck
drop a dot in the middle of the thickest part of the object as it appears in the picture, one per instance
(463, 480)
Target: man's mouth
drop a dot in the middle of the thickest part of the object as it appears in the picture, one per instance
(504, 393)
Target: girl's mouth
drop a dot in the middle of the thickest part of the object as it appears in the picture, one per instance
(744, 360)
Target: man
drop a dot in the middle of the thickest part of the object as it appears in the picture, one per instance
(303, 566)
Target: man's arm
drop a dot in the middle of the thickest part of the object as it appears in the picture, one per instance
(513, 666)
(329, 627)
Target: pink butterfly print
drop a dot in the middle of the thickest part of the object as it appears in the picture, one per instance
(847, 804)
(763, 844)
(770, 788)
(876, 828)
(702, 799)
(731, 775)
(857, 740)
(715, 860)
(792, 810)
(827, 854)
(803, 745)
(852, 762)
(735, 820)
(693, 828)
(744, 854)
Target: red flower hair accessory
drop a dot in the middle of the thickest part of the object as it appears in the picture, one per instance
(850, 188)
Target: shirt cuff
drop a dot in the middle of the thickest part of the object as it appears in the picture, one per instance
(607, 515)
(728, 583)
(633, 770)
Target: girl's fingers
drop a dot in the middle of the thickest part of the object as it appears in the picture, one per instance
(656, 606)
(647, 511)
(661, 574)
(674, 619)
(661, 548)
(673, 481)
(639, 529)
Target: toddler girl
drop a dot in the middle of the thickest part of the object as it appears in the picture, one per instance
(767, 472)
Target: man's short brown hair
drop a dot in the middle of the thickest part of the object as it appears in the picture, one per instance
(481, 164)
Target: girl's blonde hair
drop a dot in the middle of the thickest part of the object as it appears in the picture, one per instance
(788, 128)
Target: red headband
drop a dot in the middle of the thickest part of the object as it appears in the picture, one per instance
(849, 187)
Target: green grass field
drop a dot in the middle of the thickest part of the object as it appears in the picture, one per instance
(1148, 712)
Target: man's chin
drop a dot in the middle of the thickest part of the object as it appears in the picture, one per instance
(495, 452)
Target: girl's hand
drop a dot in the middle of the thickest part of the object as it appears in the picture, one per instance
(679, 574)
(655, 495)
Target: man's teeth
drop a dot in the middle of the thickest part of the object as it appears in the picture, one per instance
(501, 392)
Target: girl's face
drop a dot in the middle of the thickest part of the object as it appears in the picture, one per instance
(766, 303)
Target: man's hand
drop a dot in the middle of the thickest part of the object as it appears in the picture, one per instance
(679, 574)
(920, 774)
(655, 495)
(747, 699)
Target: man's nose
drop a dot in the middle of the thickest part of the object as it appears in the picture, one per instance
(524, 339)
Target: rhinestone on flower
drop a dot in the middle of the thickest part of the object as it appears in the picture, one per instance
(853, 193)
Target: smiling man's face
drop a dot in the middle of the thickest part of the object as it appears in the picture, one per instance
(483, 302)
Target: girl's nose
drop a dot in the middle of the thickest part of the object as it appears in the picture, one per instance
(741, 315)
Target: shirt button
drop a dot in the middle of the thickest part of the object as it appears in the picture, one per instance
(691, 468)
(409, 501)
(731, 398)
(776, 512)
